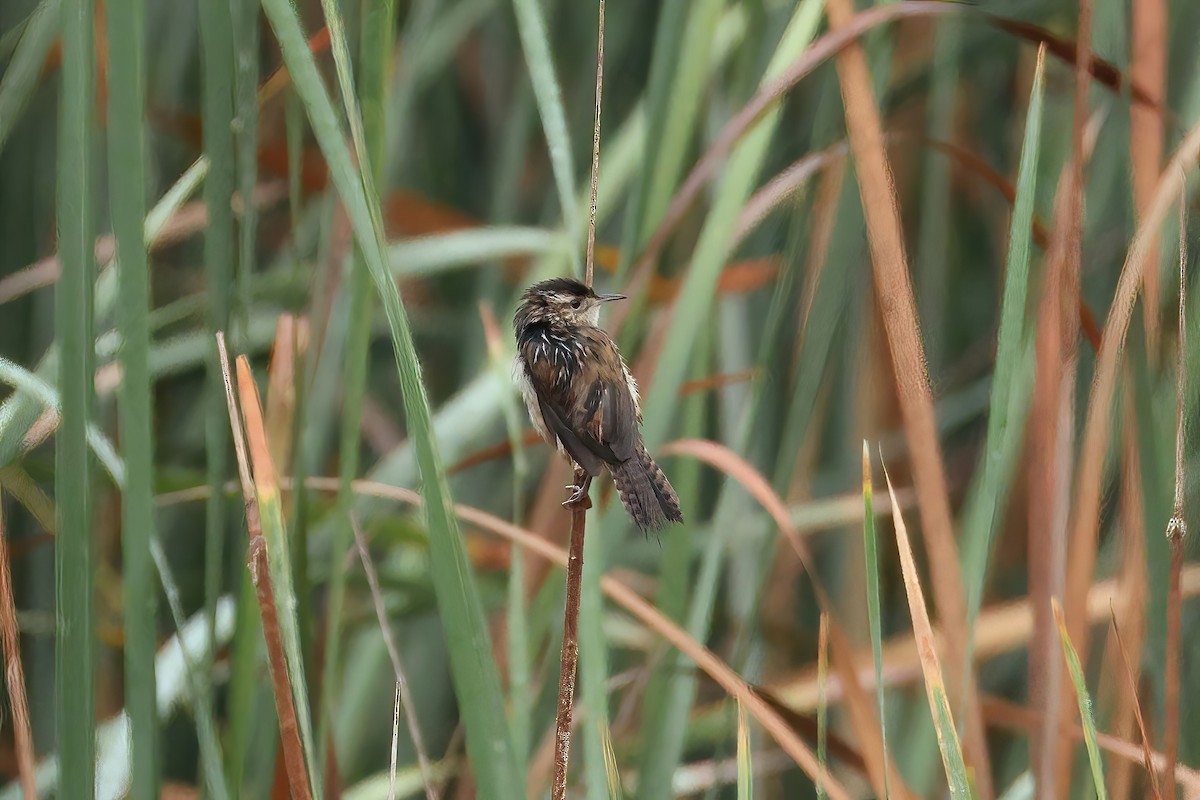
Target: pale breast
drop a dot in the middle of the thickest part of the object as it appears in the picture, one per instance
(529, 395)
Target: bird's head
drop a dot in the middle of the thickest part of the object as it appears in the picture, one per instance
(561, 301)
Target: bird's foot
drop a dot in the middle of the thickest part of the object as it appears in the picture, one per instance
(579, 493)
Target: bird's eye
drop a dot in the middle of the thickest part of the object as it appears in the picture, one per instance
(576, 303)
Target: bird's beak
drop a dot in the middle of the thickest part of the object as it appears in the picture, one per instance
(606, 298)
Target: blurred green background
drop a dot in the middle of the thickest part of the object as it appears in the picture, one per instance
(446, 145)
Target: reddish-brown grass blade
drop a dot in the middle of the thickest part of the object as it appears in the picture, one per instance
(255, 437)
(14, 673)
(894, 294)
(1147, 69)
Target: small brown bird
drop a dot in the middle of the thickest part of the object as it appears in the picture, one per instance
(583, 400)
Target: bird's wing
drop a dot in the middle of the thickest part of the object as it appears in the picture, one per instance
(579, 449)
(594, 414)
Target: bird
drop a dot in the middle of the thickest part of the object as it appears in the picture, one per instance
(583, 400)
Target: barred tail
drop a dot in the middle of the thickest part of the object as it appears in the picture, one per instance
(646, 492)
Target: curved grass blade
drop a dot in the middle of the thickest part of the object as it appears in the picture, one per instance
(935, 687)
(474, 674)
(430, 255)
(21, 73)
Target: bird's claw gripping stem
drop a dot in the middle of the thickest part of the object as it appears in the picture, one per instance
(579, 492)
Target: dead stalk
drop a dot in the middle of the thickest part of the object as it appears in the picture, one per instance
(289, 728)
(1147, 755)
(14, 674)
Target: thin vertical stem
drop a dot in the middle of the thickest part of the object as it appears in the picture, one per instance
(591, 236)
(75, 563)
(569, 664)
(403, 687)
(570, 645)
(1176, 531)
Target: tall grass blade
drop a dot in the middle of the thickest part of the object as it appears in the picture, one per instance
(1087, 718)
(677, 82)
(1011, 384)
(871, 552)
(475, 678)
(378, 25)
(216, 44)
(536, 44)
(127, 171)
(75, 553)
(245, 39)
(712, 249)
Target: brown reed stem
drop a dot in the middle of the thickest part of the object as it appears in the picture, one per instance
(570, 645)
(569, 660)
